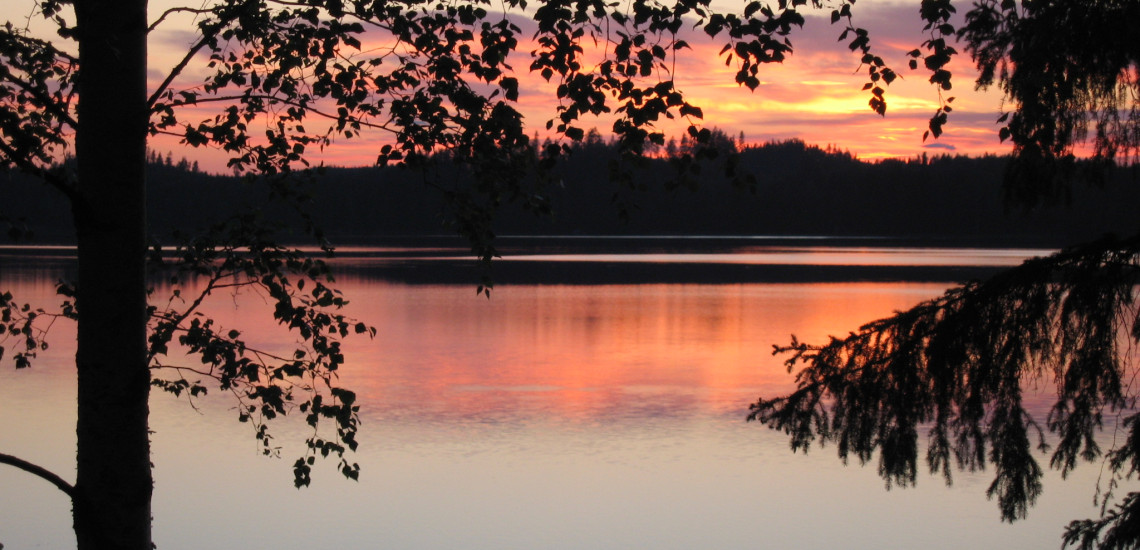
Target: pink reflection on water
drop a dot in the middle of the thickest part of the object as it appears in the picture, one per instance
(561, 416)
(589, 352)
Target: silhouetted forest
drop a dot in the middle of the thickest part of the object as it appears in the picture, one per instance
(798, 190)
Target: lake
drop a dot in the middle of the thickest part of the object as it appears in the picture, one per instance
(595, 401)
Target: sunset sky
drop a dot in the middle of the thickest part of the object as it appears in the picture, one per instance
(815, 96)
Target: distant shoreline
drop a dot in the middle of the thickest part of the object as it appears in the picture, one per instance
(513, 245)
(656, 259)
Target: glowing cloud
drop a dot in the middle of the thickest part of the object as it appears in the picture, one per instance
(814, 96)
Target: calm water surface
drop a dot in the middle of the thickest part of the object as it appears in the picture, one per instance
(562, 416)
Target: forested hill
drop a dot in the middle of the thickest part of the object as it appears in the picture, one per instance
(799, 190)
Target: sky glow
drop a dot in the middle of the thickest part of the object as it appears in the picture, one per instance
(815, 96)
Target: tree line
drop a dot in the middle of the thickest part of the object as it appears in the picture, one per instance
(797, 189)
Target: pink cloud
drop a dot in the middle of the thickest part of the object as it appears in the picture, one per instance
(815, 95)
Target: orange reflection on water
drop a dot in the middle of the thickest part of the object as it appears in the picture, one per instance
(585, 353)
(549, 416)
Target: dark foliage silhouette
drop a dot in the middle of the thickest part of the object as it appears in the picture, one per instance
(955, 368)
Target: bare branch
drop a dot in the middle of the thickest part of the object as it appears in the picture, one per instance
(177, 70)
(181, 369)
(171, 11)
(40, 472)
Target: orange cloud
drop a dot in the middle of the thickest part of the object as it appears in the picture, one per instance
(814, 96)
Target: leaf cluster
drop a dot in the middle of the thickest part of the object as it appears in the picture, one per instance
(239, 256)
(37, 97)
(26, 328)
